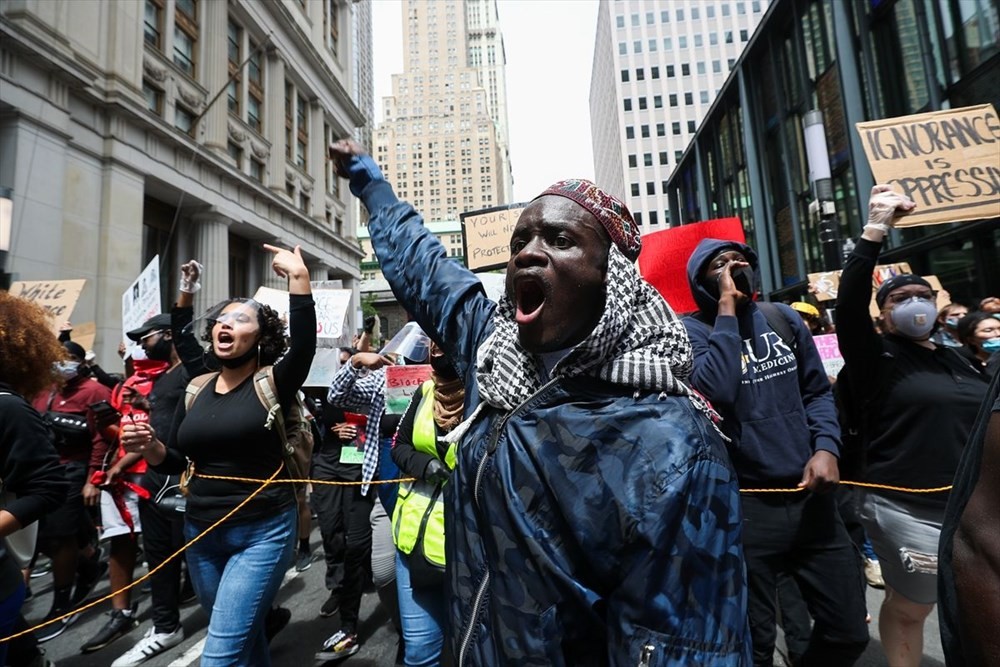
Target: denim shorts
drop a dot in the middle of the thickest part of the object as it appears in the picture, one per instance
(905, 536)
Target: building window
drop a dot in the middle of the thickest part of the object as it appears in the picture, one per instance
(652, 45)
(729, 37)
(665, 16)
(256, 170)
(635, 20)
(657, 101)
(645, 131)
(640, 74)
(680, 14)
(713, 38)
(667, 44)
(332, 180)
(303, 202)
(289, 121)
(637, 46)
(637, 216)
(716, 66)
(675, 127)
(647, 159)
(741, 8)
(627, 104)
(673, 99)
(744, 35)
(255, 90)
(183, 119)
(620, 21)
(632, 162)
(630, 132)
(663, 186)
(650, 18)
(153, 24)
(682, 41)
(704, 97)
(685, 69)
(654, 72)
(701, 67)
(670, 71)
(234, 44)
(236, 152)
(694, 14)
(185, 35)
(622, 48)
(635, 190)
(642, 103)
(709, 13)
(624, 76)
(650, 188)
(691, 127)
(725, 10)
(154, 97)
(663, 158)
(661, 129)
(698, 40)
(652, 218)
(331, 17)
(688, 99)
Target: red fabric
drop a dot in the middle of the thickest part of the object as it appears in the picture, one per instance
(117, 490)
(664, 257)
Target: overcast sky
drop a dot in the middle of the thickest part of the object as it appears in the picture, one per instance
(550, 48)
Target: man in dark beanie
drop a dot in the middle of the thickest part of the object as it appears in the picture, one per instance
(593, 515)
(66, 535)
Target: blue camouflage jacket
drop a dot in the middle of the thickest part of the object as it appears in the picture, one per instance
(590, 526)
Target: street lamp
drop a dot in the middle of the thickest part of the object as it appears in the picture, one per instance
(6, 223)
(818, 159)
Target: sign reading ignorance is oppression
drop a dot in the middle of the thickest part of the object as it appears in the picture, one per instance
(948, 162)
(486, 236)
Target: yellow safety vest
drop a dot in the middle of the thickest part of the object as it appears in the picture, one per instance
(419, 512)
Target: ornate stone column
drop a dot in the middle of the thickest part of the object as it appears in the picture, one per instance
(215, 72)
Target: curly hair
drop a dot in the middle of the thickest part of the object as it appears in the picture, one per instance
(272, 334)
(28, 347)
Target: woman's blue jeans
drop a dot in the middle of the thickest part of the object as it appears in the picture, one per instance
(421, 612)
(237, 571)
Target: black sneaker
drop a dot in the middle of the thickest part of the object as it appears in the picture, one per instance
(331, 606)
(275, 621)
(88, 575)
(119, 624)
(303, 561)
(53, 630)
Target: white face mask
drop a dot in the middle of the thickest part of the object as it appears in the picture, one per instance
(67, 369)
(914, 318)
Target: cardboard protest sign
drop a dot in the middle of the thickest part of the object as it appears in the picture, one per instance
(827, 283)
(325, 365)
(57, 297)
(664, 257)
(139, 303)
(943, 296)
(829, 352)
(486, 236)
(947, 161)
(401, 383)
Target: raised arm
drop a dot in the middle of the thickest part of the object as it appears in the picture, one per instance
(860, 344)
(191, 354)
(293, 368)
(445, 298)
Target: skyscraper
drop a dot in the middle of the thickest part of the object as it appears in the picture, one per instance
(441, 142)
(657, 68)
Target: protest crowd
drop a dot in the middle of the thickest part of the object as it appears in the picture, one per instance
(574, 475)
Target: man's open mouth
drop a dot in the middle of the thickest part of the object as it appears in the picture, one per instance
(529, 299)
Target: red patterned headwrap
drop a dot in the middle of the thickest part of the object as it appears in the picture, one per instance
(608, 209)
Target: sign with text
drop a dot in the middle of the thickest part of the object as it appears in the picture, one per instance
(829, 352)
(401, 383)
(486, 236)
(948, 162)
(57, 297)
(325, 365)
(827, 283)
(331, 307)
(85, 334)
(139, 303)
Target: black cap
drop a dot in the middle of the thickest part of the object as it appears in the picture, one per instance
(75, 349)
(902, 280)
(155, 323)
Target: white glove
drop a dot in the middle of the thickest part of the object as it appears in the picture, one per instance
(190, 276)
(884, 206)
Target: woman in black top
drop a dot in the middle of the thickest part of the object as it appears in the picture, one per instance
(917, 402)
(979, 333)
(237, 568)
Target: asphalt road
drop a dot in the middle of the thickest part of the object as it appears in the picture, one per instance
(304, 593)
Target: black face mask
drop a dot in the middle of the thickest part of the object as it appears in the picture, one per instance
(242, 359)
(161, 351)
(742, 278)
(443, 368)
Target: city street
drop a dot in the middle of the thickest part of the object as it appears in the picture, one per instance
(296, 645)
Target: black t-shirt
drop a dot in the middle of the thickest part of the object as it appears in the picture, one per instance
(326, 455)
(224, 434)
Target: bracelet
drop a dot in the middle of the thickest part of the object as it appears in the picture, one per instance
(881, 226)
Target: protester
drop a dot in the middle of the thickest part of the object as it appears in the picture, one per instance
(979, 333)
(812, 317)
(418, 521)
(918, 401)
(946, 326)
(67, 534)
(969, 581)
(759, 367)
(991, 305)
(345, 511)
(238, 567)
(594, 515)
(169, 339)
(32, 482)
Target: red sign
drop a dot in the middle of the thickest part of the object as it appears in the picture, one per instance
(664, 257)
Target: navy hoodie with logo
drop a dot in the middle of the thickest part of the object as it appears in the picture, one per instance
(775, 399)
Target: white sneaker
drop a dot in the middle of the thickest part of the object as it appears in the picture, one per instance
(152, 643)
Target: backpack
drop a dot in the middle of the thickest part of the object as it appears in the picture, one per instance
(296, 430)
